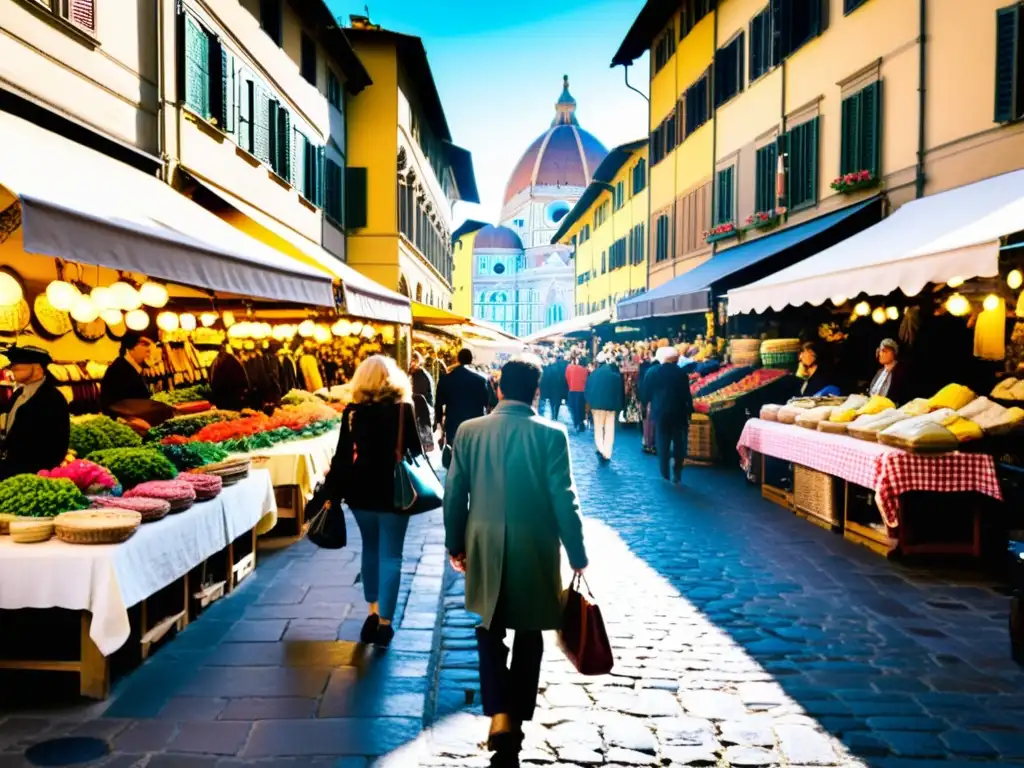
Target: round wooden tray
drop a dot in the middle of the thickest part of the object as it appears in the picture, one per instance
(31, 530)
(231, 479)
(97, 526)
(180, 505)
(5, 521)
(226, 467)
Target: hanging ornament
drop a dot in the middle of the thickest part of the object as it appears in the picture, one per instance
(62, 295)
(84, 310)
(167, 321)
(11, 293)
(137, 320)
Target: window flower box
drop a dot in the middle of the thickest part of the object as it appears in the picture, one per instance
(852, 182)
(763, 220)
(721, 232)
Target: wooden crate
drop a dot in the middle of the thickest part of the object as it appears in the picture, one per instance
(773, 489)
(818, 497)
(701, 445)
(862, 522)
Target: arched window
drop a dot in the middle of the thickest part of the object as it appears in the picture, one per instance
(419, 292)
(403, 286)
(556, 314)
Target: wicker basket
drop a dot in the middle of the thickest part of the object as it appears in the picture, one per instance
(701, 445)
(97, 526)
(231, 479)
(31, 530)
(833, 427)
(5, 521)
(818, 495)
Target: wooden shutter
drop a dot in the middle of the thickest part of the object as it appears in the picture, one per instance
(781, 15)
(299, 161)
(261, 124)
(83, 13)
(284, 144)
(355, 197)
(1009, 64)
(871, 128)
(197, 64)
(246, 98)
(849, 152)
(320, 176)
(228, 91)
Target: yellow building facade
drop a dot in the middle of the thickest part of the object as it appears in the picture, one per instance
(607, 230)
(412, 173)
(463, 240)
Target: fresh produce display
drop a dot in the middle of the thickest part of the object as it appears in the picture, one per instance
(723, 377)
(167, 490)
(100, 433)
(35, 496)
(147, 506)
(206, 486)
(292, 422)
(87, 476)
(184, 395)
(132, 466)
(753, 380)
(190, 455)
(299, 396)
(187, 426)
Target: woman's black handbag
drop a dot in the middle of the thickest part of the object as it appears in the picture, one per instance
(326, 517)
(417, 488)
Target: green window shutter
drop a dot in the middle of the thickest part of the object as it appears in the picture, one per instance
(197, 67)
(871, 128)
(320, 176)
(274, 128)
(246, 97)
(228, 106)
(764, 186)
(355, 197)
(284, 144)
(261, 124)
(298, 160)
(1009, 64)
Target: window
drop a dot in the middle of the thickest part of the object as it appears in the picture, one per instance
(617, 254)
(664, 138)
(664, 49)
(604, 262)
(849, 6)
(725, 195)
(861, 129)
(584, 233)
(307, 59)
(334, 204)
(1009, 101)
(766, 170)
(662, 247)
(334, 89)
(270, 19)
(280, 122)
(619, 196)
(601, 214)
(355, 197)
(729, 71)
(208, 76)
(762, 47)
(697, 104)
(81, 13)
(639, 176)
(692, 12)
(246, 109)
(801, 146)
(794, 23)
(637, 245)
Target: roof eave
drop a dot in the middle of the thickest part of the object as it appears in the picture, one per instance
(461, 162)
(338, 45)
(652, 17)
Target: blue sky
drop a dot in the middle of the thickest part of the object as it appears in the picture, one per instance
(499, 66)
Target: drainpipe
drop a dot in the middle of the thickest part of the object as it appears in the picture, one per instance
(922, 64)
(647, 179)
(714, 122)
(161, 129)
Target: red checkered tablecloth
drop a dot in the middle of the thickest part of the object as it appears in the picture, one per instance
(888, 471)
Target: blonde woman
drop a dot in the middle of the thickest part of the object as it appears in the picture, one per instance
(362, 475)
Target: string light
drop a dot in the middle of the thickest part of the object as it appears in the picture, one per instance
(111, 316)
(892, 313)
(878, 315)
(167, 321)
(84, 310)
(991, 303)
(958, 305)
(863, 309)
(62, 295)
(137, 320)
(1015, 279)
(153, 295)
(187, 321)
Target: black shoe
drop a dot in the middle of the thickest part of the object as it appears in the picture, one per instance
(508, 743)
(369, 631)
(384, 636)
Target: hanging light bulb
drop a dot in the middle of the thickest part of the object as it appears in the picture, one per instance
(878, 315)
(958, 305)
(126, 296)
(167, 321)
(369, 332)
(236, 331)
(137, 320)
(153, 295)
(104, 298)
(344, 327)
(1015, 279)
(62, 295)
(111, 316)
(187, 321)
(336, 329)
(863, 309)
(208, 319)
(10, 290)
(839, 300)
(955, 282)
(892, 313)
(307, 328)
(228, 318)
(321, 334)
(84, 310)
(357, 328)
(991, 303)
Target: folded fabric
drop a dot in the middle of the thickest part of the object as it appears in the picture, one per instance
(868, 426)
(875, 404)
(1003, 388)
(919, 435)
(978, 406)
(917, 407)
(954, 396)
(847, 412)
(811, 417)
(965, 430)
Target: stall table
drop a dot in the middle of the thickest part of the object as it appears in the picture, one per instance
(103, 581)
(888, 472)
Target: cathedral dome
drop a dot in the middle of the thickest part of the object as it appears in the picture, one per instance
(497, 237)
(565, 155)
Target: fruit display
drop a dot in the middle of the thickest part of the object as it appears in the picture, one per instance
(299, 396)
(721, 397)
(190, 455)
(87, 476)
(35, 496)
(99, 433)
(183, 395)
(723, 377)
(132, 466)
(187, 426)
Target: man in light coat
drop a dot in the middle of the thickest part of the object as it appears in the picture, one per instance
(509, 503)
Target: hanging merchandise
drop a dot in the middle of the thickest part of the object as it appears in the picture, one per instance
(909, 325)
(310, 371)
(990, 330)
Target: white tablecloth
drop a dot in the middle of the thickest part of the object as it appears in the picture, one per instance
(302, 463)
(109, 579)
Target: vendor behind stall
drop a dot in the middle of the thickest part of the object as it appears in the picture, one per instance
(229, 384)
(891, 381)
(37, 424)
(123, 392)
(815, 372)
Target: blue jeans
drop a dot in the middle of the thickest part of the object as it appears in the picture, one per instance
(383, 540)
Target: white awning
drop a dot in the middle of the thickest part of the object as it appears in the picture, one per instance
(574, 325)
(363, 297)
(954, 234)
(81, 205)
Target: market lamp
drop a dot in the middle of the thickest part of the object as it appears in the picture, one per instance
(357, 328)
(10, 290)
(878, 315)
(208, 319)
(991, 303)
(62, 295)
(307, 328)
(892, 313)
(125, 296)
(958, 305)
(137, 320)
(167, 321)
(187, 321)
(111, 316)
(369, 332)
(153, 295)
(321, 334)
(84, 310)
(104, 298)
(863, 309)
(228, 318)
(1015, 279)
(955, 282)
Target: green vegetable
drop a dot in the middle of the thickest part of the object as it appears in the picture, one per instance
(188, 425)
(192, 455)
(132, 466)
(34, 496)
(184, 395)
(101, 433)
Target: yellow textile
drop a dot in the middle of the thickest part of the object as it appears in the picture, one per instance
(311, 373)
(1002, 389)
(847, 412)
(964, 429)
(875, 404)
(954, 396)
(990, 333)
(917, 407)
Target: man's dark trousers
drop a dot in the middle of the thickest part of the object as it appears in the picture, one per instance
(505, 689)
(578, 407)
(556, 406)
(675, 435)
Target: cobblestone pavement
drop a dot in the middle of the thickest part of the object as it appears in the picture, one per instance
(270, 675)
(745, 636)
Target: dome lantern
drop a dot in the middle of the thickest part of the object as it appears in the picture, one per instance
(565, 107)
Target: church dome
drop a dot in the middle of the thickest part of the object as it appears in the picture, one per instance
(497, 237)
(565, 155)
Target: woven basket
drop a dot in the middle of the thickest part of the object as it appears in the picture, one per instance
(231, 479)
(701, 444)
(150, 509)
(97, 526)
(817, 494)
(227, 467)
(5, 521)
(31, 530)
(833, 427)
